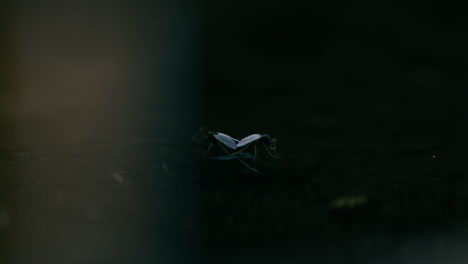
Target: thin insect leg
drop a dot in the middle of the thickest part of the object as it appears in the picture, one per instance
(274, 148)
(268, 150)
(240, 151)
(273, 153)
(276, 153)
(209, 147)
(232, 153)
(221, 145)
(248, 166)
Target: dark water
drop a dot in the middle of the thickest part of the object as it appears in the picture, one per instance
(99, 102)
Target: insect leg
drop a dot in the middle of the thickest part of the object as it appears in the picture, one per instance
(273, 149)
(248, 166)
(209, 147)
(222, 147)
(240, 151)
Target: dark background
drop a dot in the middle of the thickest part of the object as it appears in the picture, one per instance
(99, 101)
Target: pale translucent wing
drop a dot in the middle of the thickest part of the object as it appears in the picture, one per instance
(230, 142)
(248, 140)
(227, 137)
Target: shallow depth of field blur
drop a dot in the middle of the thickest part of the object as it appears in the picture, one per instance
(99, 101)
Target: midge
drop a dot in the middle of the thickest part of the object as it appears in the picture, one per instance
(203, 135)
(228, 141)
(255, 139)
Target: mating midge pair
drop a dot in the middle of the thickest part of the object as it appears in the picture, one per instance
(239, 146)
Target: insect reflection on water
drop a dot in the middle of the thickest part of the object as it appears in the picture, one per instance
(348, 202)
(232, 148)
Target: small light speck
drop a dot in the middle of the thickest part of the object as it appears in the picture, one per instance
(164, 168)
(118, 176)
(433, 156)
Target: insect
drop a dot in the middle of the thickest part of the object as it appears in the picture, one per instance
(226, 140)
(234, 148)
(204, 135)
(255, 139)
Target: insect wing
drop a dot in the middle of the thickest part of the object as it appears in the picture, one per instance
(230, 142)
(248, 140)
